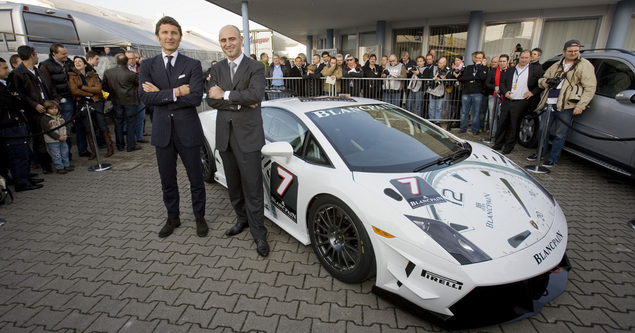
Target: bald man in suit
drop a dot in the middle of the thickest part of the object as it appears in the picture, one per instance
(173, 84)
(237, 88)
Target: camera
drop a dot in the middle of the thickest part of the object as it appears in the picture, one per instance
(553, 82)
(519, 48)
(386, 72)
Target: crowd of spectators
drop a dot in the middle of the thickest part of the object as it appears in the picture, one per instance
(45, 108)
(434, 87)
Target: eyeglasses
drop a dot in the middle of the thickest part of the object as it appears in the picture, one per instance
(349, 59)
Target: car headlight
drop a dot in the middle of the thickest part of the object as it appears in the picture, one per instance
(464, 251)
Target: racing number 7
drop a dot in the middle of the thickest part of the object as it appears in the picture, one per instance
(414, 185)
(287, 178)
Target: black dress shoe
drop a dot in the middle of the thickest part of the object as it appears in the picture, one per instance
(135, 148)
(497, 147)
(262, 247)
(20, 188)
(47, 171)
(33, 174)
(201, 227)
(85, 154)
(236, 229)
(36, 180)
(507, 151)
(169, 227)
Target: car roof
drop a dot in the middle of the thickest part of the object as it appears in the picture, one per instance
(306, 104)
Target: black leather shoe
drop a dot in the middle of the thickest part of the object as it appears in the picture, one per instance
(497, 147)
(135, 148)
(169, 227)
(33, 174)
(36, 180)
(201, 227)
(236, 229)
(262, 247)
(20, 188)
(507, 151)
(46, 171)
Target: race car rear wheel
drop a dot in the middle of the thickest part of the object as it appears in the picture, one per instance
(207, 163)
(340, 241)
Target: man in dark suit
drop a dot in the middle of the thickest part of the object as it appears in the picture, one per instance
(519, 86)
(173, 84)
(237, 88)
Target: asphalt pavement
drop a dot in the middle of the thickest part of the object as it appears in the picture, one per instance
(82, 255)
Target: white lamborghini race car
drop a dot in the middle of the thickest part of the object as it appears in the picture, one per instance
(451, 226)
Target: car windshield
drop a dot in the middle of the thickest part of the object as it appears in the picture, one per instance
(383, 138)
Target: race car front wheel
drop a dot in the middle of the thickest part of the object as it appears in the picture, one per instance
(340, 241)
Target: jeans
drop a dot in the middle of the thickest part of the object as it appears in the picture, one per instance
(436, 109)
(492, 107)
(67, 110)
(561, 131)
(59, 154)
(140, 121)
(393, 97)
(415, 103)
(470, 102)
(124, 111)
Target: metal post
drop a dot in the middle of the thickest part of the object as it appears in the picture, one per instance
(246, 33)
(539, 168)
(99, 166)
(493, 119)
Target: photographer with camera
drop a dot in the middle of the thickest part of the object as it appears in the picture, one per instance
(571, 86)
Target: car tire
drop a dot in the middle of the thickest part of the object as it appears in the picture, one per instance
(528, 132)
(340, 241)
(207, 163)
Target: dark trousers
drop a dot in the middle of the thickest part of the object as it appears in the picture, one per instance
(244, 181)
(17, 151)
(129, 122)
(510, 115)
(166, 161)
(42, 156)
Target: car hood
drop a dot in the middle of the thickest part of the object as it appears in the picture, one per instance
(486, 198)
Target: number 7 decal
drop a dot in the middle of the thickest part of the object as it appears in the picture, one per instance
(287, 178)
(414, 186)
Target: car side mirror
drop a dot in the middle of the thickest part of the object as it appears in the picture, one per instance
(626, 96)
(281, 148)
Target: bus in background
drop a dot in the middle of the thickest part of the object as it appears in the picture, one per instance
(36, 26)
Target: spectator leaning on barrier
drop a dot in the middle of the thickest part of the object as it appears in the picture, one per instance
(334, 73)
(13, 122)
(393, 88)
(437, 89)
(417, 87)
(568, 95)
(122, 84)
(277, 72)
(86, 87)
(372, 88)
(35, 87)
(297, 71)
(473, 79)
(326, 58)
(353, 71)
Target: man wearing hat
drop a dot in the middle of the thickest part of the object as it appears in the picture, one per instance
(570, 85)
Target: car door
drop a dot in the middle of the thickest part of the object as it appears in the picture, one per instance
(606, 116)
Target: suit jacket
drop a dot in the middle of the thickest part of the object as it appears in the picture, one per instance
(183, 112)
(122, 84)
(28, 86)
(533, 74)
(248, 89)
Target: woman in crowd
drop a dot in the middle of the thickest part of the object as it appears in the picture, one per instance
(86, 88)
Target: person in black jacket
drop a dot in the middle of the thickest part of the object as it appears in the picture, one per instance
(352, 71)
(473, 79)
(13, 123)
(372, 88)
(518, 86)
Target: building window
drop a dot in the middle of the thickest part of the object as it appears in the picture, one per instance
(502, 38)
(349, 45)
(556, 33)
(409, 40)
(448, 41)
(629, 43)
(6, 24)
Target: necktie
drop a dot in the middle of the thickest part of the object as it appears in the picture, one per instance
(232, 67)
(168, 66)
